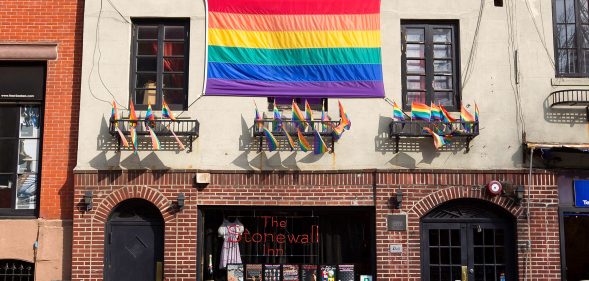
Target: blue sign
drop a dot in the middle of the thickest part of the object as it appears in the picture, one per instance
(581, 193)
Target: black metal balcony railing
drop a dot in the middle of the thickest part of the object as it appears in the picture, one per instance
(572, 97)
(414, 129)
(291, 127)
(163, 127)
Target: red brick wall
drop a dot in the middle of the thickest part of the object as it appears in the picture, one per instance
(423, 190)
(58, 21)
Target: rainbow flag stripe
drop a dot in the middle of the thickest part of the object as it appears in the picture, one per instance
(476, 112)
(297, 116)
(166, 112)
(398, 114)
(303, 48)
(344, 116)
(439, 141)
(132, 114)
(446, 117)
(437, 114)
(319, 146)
(289, 139)
(271, 140)
(420, 111)
(303, 143)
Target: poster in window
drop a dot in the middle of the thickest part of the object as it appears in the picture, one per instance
(253, 272)
(235, 272)
(28, 155)
(309, 272)
(29, 122)
(272, 272)
(345, 272)
(327, 273)
(365, 277)
(26, 191)
(290, 272)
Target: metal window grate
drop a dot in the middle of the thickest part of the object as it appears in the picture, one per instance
(15, 270)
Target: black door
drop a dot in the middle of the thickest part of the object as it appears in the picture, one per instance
(467, 240)
(134, 243)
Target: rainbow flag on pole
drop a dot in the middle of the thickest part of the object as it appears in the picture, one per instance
(303, 143)
(297, 116)
(446, 117)
(325, 119)
(133, 125)
(420, 111)
(344, 116)
(114, 116)
(437, 114)
(476, 112)
(289, 139)
(439, 141)
(319, 146)
(271, 140)
(166, 112)
(300, 48)
(466, 118)
(398, 114)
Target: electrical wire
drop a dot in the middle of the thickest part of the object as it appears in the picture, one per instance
(473, 48)
(512, 46)
(541, 35)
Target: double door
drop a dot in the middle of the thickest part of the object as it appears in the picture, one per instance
(467, 251)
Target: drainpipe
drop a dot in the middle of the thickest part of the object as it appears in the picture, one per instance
(529, 242)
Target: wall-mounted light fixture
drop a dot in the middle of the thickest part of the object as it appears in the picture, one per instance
(396, 200)
(518, 194)
(180, 201)
(88, 200)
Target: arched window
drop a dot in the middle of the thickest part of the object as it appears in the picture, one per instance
(17, 270)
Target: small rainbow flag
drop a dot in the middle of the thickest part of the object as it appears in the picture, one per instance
(272, 142)
(277, 124)
(308, 113)
(258, 120)
(446, 117)
(420, 111)
(297, 116)
(114, 116)
(319, 146)
(291, 143)
(303, 143)
(338, 131)
(166, 112)
(325, 119)
(438, 140)
(344, 116)
(437, 114)
(132, 115)
(155, 142)
(149, 116)
(476, 112)
(134, 138)
(398, 114)
(466, 118)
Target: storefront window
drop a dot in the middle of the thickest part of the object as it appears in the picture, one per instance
(287, 244)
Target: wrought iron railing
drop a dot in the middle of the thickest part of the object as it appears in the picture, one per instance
(15, 270)
(571, 97)
(325, 129)
(415, 129)
(161, 127)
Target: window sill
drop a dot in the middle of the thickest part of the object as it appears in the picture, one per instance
(570, 81)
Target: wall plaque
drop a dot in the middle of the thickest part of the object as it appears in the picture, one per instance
(397, 222)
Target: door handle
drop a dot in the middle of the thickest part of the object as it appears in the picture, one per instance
(465, 273)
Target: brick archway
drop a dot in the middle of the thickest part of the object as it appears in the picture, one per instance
(435, 199)
(152, 195)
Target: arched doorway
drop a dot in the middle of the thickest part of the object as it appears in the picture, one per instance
(134, 242)
(468, 239)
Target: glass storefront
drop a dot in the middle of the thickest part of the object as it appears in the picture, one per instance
(286, 243)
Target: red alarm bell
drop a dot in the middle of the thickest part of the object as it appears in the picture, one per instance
(494, 188)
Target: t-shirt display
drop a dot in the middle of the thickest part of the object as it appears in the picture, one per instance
(235, 272)
(290, 272)
(253, 272)
(309, 272)
(327, 272)
(272, 272)
(345, 272)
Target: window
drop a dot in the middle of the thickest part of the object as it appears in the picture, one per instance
(22, 87)
(571, 37)
(160, 68)
(430, 64)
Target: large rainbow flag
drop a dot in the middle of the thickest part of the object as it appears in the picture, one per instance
(303, 48)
